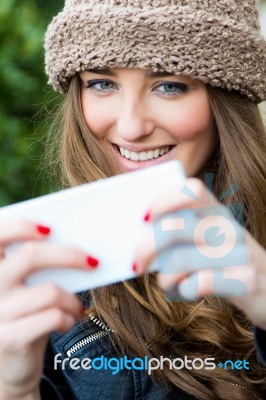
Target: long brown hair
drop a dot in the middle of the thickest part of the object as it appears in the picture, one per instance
(143, 322)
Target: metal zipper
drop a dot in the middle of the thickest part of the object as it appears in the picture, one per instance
(243, 387)
(91, 338)
(105, 331)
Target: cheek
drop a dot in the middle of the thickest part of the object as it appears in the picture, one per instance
(96, 118)
(190, 120)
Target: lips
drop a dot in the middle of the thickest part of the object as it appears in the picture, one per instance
(132, 160)
(144, 155)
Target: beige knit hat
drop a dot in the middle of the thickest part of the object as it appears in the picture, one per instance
(216, 41)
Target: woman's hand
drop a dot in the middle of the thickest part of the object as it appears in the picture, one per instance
(29, 314)
(200, 249)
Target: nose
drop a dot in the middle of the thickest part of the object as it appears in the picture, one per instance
(134, 121)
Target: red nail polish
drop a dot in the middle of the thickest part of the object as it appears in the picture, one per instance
(44, 230)
(147, 217)
(134, 267)
(92, 262)
(82, 310)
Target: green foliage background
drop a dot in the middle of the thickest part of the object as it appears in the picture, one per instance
(23, 93)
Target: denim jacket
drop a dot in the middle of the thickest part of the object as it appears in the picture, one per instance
(91, 339)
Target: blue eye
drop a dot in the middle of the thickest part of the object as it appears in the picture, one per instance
(103, 86)
(172, 88)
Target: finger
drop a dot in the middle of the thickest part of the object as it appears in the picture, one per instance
(171, 254)
(2, 253)
(166, 281)
(157, 250)
(201, 241)
(191, 194)
(18, 303)
(33, 256)
(167, 254)
(18, 230)
(33, 327)
(235, 282)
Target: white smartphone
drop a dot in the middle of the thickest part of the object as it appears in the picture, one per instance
(103, 218)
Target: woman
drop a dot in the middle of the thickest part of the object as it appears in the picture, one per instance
(148, 81)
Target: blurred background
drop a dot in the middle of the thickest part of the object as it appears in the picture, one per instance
(25, 98)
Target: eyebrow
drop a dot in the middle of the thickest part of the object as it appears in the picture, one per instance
(147, 74)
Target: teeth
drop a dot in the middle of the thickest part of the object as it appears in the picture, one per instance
(127, 154)
(156, 153)
(134, 156)
(143, 155)
(150, 155)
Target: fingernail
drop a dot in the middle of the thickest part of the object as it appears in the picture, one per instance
(82, 310)
(44, 230)
(147, 217)
(92, 262)
(134, 267)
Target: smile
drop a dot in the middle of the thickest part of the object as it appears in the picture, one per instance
(144, 155)
(129, 160)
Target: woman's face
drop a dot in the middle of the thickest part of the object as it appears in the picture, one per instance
(141, 118)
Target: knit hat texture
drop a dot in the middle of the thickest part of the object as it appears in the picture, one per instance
(216, 41)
